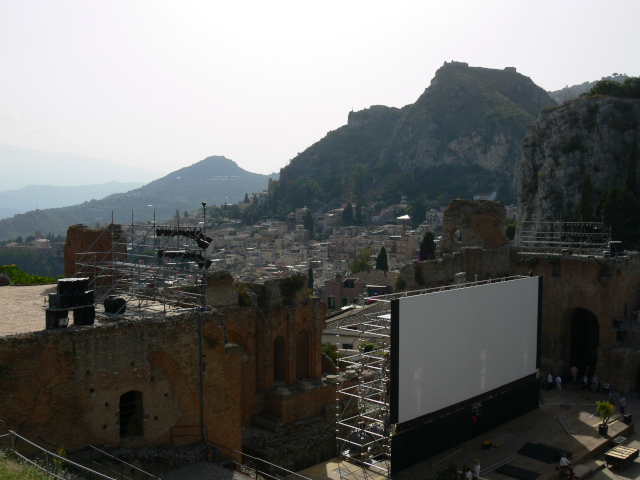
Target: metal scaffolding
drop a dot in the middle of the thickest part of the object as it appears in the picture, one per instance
(148, 262)
(583, 238)
(363, 421)
(363, 429)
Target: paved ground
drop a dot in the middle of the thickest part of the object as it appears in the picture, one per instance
(540, 426)
(203, 471)
(22, 308)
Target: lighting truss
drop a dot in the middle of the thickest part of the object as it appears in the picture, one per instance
(583, 238)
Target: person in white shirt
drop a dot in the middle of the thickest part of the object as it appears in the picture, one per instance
(559, 382)
(549, 382)
(565, 464)
(467, 474)
(476, 469)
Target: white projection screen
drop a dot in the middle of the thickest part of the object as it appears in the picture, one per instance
(454, 345)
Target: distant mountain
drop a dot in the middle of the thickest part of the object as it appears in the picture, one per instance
(569, 93)
(214, 180)
(461, 137)
(27, 198)
(22, 167)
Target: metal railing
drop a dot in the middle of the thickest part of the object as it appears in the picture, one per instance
(248, 464)
(93, 467)
(49, 458)
(201, 432)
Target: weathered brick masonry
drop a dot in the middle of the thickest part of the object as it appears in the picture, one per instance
(65, 386)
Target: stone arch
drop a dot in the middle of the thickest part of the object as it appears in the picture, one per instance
(189, 409)
(32, 399)
(583, 331)
(248, 371)
(280, 359)
(303, 356)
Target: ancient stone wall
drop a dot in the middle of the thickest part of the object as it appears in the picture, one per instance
(606, 288)
(480, 223)
(99, 245)
(66, 385)
(477, 263)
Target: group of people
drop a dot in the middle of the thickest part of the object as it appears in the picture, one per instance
(473, 474)
(592, 384)
(551, 381)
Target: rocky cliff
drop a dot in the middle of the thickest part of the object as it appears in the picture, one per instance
(462, 136)
(585, 135)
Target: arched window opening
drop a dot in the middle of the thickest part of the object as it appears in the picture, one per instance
(302, 355)
(280, 359)
(131, 415)
(585, 337)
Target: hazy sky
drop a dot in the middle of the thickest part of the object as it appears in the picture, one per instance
(163, 85)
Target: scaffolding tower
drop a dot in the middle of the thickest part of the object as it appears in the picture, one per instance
(582, 238)
(363, 416)
(148, 262)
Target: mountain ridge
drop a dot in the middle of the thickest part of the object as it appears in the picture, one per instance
(214, 180)
(13, 202)
(24, 166)
(461, 136)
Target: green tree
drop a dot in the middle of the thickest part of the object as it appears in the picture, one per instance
(620, 210)
(427, 247)
(358, 215)
(308, 221)
(347, 215)
(362, 262)
(632, 169)
(381, 260)
(510, 228)
(610, 88)
(234, 211)
(246, 198)
(584, 212)
(310, 279)
(418, 210)
(186, 214)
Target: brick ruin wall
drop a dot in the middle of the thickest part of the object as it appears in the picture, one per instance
(67, 386)
(100, 245)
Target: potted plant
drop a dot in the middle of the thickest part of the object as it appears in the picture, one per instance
(605, 410)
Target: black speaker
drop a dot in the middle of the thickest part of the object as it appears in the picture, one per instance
(88, 297)
(84, 316)
(54, 301)
(77, 299)
(56, 318)
(65, 286)
(64, 300)
(115, 305)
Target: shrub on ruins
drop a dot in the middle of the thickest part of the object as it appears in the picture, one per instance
(20, 277)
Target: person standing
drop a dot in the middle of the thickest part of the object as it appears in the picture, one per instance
(468, 475)
(559, 383)
(549, 381)
(574, 374)
(622, 403)
(585, 382)
(476, 470)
